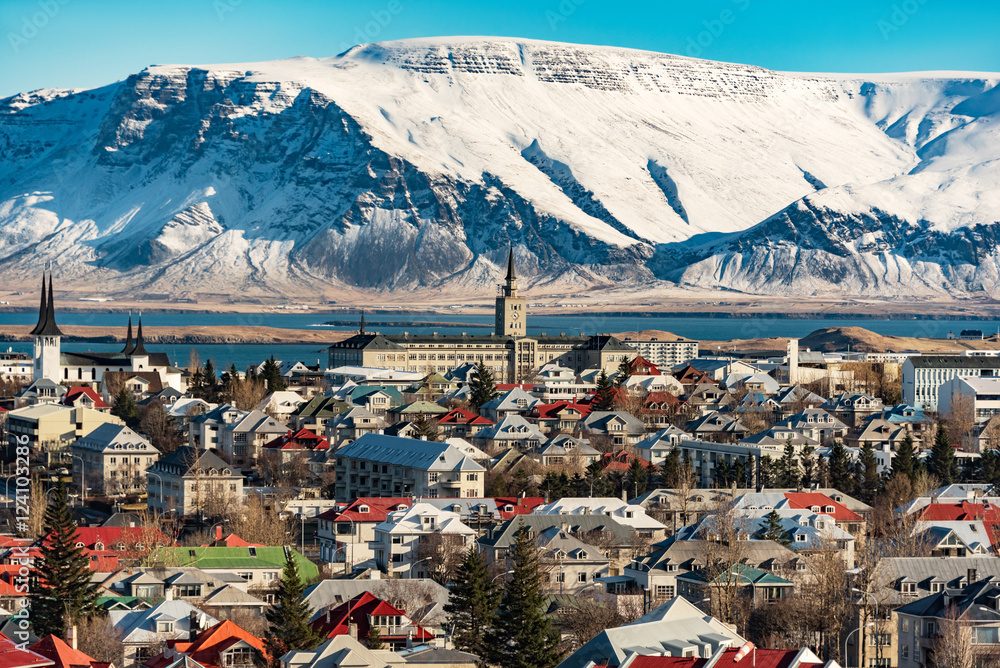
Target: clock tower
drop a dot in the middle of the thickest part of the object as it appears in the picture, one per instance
(511, 310)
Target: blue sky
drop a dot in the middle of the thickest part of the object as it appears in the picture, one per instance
(81, 43)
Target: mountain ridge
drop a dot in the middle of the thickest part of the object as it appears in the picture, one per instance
(414, 164)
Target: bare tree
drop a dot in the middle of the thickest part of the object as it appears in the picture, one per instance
(960, 420)
(98, 638)
(590, 613)
(415, 597)
(953, 647)
(724, 555)
(159, 428)
(245, 393)
(444, 554)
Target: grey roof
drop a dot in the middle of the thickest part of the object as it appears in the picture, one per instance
(951, 571)
(185, 459)
(503, 536)
(955, 361)
(327, 593)
(409, 452)
(598, 422)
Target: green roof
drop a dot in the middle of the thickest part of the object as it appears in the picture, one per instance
(421, 407)
(748, 574)
(234, 559)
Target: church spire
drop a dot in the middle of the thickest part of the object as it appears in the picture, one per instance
(511, 276)
(128, 338)
(139, 348)
(46, 312)
(361, 324)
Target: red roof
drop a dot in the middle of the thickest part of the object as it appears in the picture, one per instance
(210, 643)
(620, 461)
(640, 366)
(552, 411)
(507, 387)
(461, 415)
(764, 658)
(660, 398)
(359, 610)
(806, 500)
(303, 439)
(963, 511)
(691, 376)
(520, 505)
(59, 651)
(378, 508)
(13, 657)
(77, 391)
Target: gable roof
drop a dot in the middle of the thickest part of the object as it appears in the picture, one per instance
(61, 654)
(409, 452)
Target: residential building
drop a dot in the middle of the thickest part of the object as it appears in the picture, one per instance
(342, 651)
(143, 632)
(54, 426)
(975, 398)
(189, 481)
(757, 586)
(625, 513)
(241, 441)
(415, 541)
(366, 614)
(665, 352)
(345, 534)
(259, 566)
(114, 460)
(377, 465)
(923, 375)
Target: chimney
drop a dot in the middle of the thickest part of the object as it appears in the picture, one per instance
(168, 593)
(218, 532)
(970, 576)
(352, 630)
(71, 636)
(193, 625)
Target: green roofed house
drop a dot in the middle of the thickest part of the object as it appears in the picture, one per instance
(415, 409)
(758, 586)
(259, 566)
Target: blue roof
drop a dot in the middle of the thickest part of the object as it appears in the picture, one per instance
(409, 452)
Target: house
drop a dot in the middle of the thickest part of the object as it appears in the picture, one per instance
(342, 651)
(625, 513)
(757, 586)
(559, 416)
(974, 606)
(462, 422)
(795, 399)
(222, 594)
(676, 629)
(203, 428)
(15, 655)
(853, 408)
(54, 426)
(378, 465)
(85, 396)
(345, 534)
(884, 437)
(736, 658)
(656, 447)
(717, 427)
(817, 424)
(189, 480)
(511, 431)
(241, 440)
(414, 410)
(142, 632)
(566, 450)
(423, 599)
(570, 563)
(294, 444)
(60, 653)
(515, 401)
(259, 566)
(416, 541)
(280, 404)
(351, 425)
(366, 614)
(618, 427)
(222, 645)
(774, 440)
(114, 460)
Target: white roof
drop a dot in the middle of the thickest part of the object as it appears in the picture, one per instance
(623, 512)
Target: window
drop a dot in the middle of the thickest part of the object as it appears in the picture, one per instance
(581, 577)
(164, 626)
(664, 591)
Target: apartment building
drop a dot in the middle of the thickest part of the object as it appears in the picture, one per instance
(923, 375)
(114, 460)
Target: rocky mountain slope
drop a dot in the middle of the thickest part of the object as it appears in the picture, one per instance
(412, 165)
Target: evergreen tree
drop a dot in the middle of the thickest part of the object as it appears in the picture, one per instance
(472, 606)
(808, 466)
(638, 477)
(196, 385)
(904, 463)
(482, 386)
(869, 481)
(788, 468)
(374, 639)
(523, 635)
(604, 394)
(211, 381)
(941, 462)
(288, 618)
(270, 373)
(671, 468)
(425, 428)
(772, 529)
(125, 407)
(840, 468)
(765, 473)
(624, 372)
(822, 471)
(62, 593)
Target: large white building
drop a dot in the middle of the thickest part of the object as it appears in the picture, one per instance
(663, 352)
(89, 368)
(411, 540)
(980, 396)
(923, 375)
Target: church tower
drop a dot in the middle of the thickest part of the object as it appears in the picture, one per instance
(511, 310)
(47, 337)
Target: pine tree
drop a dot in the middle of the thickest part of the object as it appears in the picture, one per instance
(211, 381)
(941, 462)
(772, 529)
(472, 606)
(62, 594)
(822, 472)
(270, 373)
(638, 477)
(604, 394)
(788, 468)
(374, 639)
(425, 428)
(482, 386)
(624, 372)
(869, 481)
(840, 468)
(671, 468)
(125, 408)
(808, 466)
(288, 619)
(523, 635)
(904, 463)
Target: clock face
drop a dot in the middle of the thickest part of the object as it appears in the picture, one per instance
(514, 315)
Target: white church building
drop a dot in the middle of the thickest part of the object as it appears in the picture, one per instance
(89, 368)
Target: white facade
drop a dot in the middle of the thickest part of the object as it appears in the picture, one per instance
(982, 395)
(923, 375)
(410, 540)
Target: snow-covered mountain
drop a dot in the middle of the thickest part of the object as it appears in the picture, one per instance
(412, 164)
